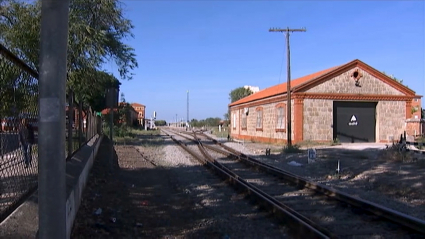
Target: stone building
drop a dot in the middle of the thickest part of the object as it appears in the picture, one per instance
(140, 113)
(352, 103)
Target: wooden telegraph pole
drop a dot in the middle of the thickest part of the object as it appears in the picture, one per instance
(288, 82)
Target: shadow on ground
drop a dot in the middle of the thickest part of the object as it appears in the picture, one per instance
(138, 200)
(157, 202)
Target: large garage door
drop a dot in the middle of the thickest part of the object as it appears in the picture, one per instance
(354, 121)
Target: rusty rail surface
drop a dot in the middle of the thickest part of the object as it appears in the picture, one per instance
(304, 227)
(390, 214)
(406, 221)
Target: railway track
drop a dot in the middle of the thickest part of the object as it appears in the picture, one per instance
(313, 210)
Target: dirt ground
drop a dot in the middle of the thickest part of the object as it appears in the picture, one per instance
(384, 176)
(140, 200)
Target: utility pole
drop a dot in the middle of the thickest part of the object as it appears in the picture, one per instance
(51, 141)
(288, 82)
(187, 109)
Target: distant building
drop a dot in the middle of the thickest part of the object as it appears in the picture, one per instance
(352, 102)
(140, 113)
(132, 117)
(254, 89)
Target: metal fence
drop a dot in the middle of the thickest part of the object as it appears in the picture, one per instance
(83, 125)
(19, 130)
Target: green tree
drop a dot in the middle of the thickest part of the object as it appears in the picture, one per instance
(95, 95)
(236, 95)
(239, 93)
(160, 122)
(422, 113)
(97, 29)
(226, 116)
(18, 91)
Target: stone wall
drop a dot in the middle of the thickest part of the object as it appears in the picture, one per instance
(233, 113)
(268, 132)
(344, 84)
(317, 117)
(318, 120)
(391, 117)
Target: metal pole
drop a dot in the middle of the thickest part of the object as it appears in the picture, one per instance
(51, 152)
(187, 108)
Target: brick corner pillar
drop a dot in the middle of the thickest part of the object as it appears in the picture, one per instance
(408, 109)
(298, 119)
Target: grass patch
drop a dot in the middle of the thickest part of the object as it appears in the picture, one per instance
(393, 153)
(217, 133)
(140, 137)
(291, 149)
(421, 140)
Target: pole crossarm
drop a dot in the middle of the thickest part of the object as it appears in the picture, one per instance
(286, 30)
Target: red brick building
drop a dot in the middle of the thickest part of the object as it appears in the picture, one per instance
(131, 117)
(140, 112)
(352, 103)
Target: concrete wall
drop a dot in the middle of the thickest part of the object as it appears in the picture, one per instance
(23, 222)
(79, 167)
(268, 132)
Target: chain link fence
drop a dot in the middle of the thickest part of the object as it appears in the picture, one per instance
(19, 130)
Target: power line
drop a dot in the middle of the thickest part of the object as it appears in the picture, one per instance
(288, 83)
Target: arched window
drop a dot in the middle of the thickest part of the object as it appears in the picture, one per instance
(259, 111)
(280, 117)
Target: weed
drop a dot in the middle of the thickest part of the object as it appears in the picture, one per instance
(335, 142)
(395, 152)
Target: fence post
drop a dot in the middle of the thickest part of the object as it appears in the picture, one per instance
(51, 151)
(80, 122)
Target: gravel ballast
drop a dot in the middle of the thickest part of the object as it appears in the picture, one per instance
(377, 175)
(157, 190)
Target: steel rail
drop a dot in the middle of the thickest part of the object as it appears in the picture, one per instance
(400, 218)
(304, 226)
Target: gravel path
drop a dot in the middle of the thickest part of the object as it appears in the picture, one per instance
(175, 197)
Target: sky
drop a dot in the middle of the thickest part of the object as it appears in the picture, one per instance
(211, 47)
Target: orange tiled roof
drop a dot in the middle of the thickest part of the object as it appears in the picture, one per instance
(136, 104)
(281, 88)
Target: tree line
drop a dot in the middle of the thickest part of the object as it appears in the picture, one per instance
(97, 29)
